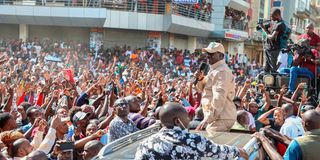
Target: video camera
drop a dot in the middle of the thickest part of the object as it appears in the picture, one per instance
(302, 48)
(265, 23)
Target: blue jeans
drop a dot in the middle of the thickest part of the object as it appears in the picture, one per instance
(294, 72)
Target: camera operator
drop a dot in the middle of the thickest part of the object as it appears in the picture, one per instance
(313, 38)
(275, 41)
(304, 63)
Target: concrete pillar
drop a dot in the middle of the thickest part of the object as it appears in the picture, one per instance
(23, 32)
(192, 43)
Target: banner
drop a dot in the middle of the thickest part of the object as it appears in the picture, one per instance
(154, 41)
(96, 41)
(185, 1)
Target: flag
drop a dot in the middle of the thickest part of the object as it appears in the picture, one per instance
(21, 99)
(68, 73)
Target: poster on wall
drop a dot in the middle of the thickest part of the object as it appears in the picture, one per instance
(171, 41)
(154, 41)
(96, 40)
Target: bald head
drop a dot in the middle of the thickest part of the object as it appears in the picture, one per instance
(287, 110)
(199, 113)
(130, 98)
(311, 120)
(171, 112)
(91, 149)
(242, 117)
(310, 25)
(18, 146)
(133, 103)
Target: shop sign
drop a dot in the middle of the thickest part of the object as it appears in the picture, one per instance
(232, 36)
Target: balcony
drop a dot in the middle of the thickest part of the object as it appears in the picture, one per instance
(134, 15)
(199, 13)
(303, 10)
(240, 25)
(52, 16)
(241, 5)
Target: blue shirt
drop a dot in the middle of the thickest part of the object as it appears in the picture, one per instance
(81, 100)
(293, 151)
(25, 128)
(187, 61)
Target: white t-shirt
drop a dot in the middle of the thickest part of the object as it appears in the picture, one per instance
(252, 123)
(292, 127)
(245, 59)
(240, 58)
(38, 49)
(283, 59)
(128, 53)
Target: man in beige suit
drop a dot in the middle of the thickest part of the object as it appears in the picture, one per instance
(218, 91)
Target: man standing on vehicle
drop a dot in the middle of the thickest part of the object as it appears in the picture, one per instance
(276, 40)
(218, 91)
(304, 63)
(313, 38)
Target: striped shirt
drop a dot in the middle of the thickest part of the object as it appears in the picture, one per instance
(141, 121)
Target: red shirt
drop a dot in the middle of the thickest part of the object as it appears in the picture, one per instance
(308, 64)
(179, 59)
(313, 39)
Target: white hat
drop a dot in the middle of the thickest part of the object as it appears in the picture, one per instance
(214, 47)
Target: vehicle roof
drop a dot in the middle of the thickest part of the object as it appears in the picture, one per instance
(126, 147)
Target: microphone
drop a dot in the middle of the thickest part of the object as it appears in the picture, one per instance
(203, 67)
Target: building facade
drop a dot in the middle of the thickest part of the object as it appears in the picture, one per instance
(139, 24)
(231, 24)
(298, 13)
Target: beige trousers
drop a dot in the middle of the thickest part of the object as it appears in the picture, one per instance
(220, 126)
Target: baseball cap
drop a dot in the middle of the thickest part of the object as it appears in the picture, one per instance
(214, 47)
(79, 116)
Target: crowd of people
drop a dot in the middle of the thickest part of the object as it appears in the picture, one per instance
(60, 100)
(201, 10)
(235, 19)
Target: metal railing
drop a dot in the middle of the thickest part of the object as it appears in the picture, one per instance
(188, 10)
(303, 7)
(241, 25)
(141, 6)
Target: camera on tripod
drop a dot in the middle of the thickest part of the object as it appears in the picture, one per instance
(265, 23)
